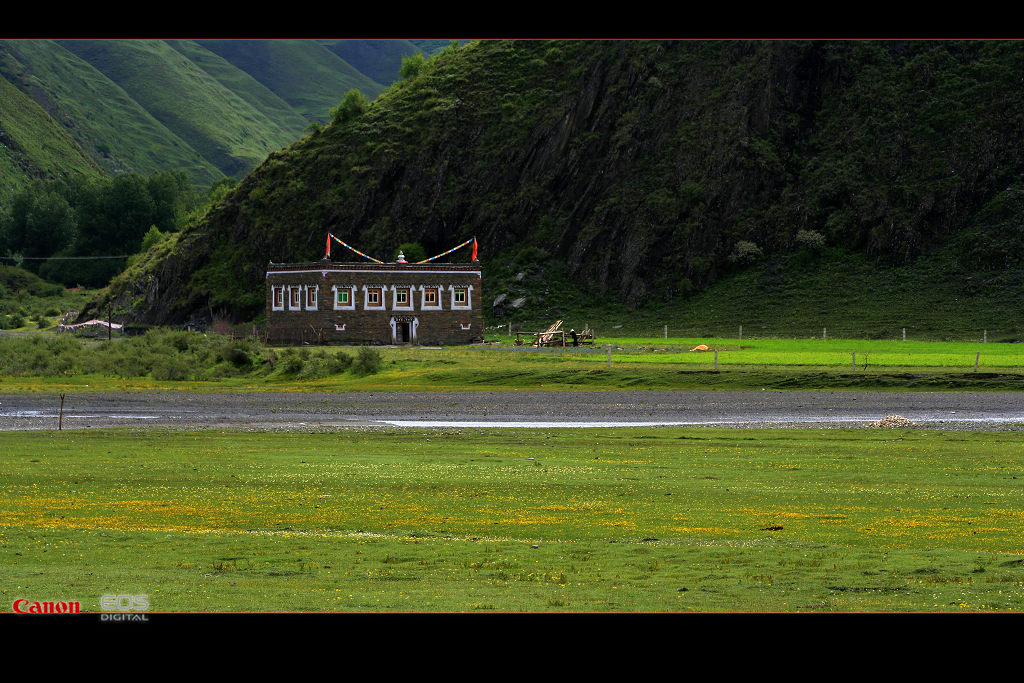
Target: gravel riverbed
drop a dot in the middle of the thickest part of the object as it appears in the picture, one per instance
(293, 410)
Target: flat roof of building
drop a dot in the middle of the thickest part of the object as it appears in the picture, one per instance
(324, 265)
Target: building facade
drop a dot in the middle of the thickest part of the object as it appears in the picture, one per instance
(374, 303)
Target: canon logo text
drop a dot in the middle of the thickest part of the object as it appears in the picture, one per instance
(23, 606)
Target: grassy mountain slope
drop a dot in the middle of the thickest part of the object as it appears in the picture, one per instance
(378, 59)
(242, 84)
(214, 121)
(105, 121)
(838, 293)
(432, 47)
(33, 145)
(637, 171)
(303, 73)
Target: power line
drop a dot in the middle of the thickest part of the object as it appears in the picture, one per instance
(61, 258)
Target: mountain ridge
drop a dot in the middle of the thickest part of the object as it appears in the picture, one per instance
(185, 108)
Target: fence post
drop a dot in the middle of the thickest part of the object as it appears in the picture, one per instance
(716, 359)
(666, 331)
(904, 334)
(854, 360)
(609, 356)
(824, 333)
(741, 331)
(976, 357)
(984, 337)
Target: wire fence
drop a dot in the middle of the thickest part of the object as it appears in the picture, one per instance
(851, 355)
(1009, 332)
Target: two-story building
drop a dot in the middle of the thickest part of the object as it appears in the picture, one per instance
(374, 303)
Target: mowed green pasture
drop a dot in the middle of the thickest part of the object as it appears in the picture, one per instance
(666, 519)
(633, 363)
(828, 353)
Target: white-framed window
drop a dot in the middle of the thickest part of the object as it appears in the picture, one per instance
(311, 296)
(277, 297)
(373, 298)
(431, 298)
(461, 297)
(344, 298)
(402, 298)
(295, 298)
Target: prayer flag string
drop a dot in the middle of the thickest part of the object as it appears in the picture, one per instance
(331, 236)
(348, 247)
(471, 239)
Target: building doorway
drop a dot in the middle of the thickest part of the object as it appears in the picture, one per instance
(403, 329)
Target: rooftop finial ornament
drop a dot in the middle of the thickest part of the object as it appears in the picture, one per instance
(401, 257)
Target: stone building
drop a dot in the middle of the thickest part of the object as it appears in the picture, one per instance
(374, 303)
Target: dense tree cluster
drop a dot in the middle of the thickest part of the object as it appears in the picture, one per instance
(80, 231)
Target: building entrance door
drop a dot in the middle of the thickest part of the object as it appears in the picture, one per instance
(404, 331)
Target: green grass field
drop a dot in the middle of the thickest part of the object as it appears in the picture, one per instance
(573, 520)
(633, 363)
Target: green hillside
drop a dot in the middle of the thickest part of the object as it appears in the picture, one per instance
(432, 47)
(32, 145)
(210, 110)
(303, 73)
(378, 59)
(242, 84)
(225, 129)
(650, 170)
(638, 174)
(115, 131)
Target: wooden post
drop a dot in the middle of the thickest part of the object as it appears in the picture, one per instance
(904, 334)
(510, 329)
(716, 359)
(976, 357)
(609, 356)
(824, 333)
(854, 360)
(741, 331)
(60, 419)
(666, 331)
(108, 323)
(984, 337)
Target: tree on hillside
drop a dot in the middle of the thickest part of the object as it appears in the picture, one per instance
(352, 106)
(412, 66)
